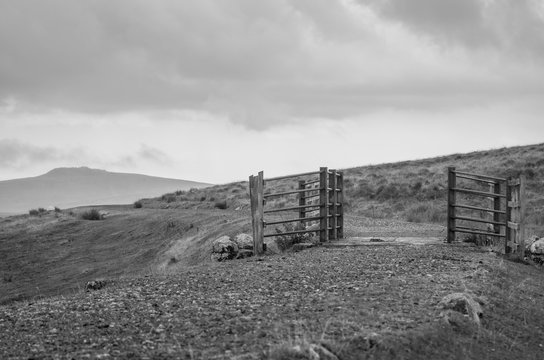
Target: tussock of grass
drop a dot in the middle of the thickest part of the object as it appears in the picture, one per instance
(92, 214)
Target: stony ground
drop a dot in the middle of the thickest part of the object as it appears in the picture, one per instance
(245, 309)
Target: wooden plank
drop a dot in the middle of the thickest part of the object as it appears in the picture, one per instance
(508, 232)
(301, 200)
(479, 208)
(292, 232)
(292, 176)
(476, 179)
(292, 208)
(256, 189)
(513, 225)
(476, 232)
(323, 200)
(522, 214)
(479, 175)
(482, 221)
(332, 204)
(479, 193)
(313, 218)
(290, 192)
(311, 182)
(340, 207)
(496, 188)
(451, 204)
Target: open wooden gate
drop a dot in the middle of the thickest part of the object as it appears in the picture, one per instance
(506, 209)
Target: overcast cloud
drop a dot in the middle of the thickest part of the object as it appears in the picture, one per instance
(259, 66)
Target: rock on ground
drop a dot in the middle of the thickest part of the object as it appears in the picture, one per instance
(244, 241)
(463, 303)
(224, 248)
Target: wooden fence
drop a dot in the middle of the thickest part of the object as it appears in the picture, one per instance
(506, 209)
(320, 201)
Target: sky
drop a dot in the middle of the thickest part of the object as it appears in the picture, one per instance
(215, 90)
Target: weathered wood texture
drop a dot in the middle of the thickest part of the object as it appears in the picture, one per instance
(318, 201)
(506, 209)
(256, 190)
(515, 222)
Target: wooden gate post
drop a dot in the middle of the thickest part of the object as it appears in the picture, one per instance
(301, 200)
(333, 205)
(509, 217)
(522, 209)
(340, 212)
(256, 194)
(497, 216)
(451, 203)
(323, 206)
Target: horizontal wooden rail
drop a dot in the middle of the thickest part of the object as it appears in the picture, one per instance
(513, 225)
(293, 208)
(479, 208)
(288, 192)
(478, 175)
(292, 176)
(311, 182)
(483, 221)
(313, 218)
(479, 193)
(476, 232)
(476, 179)
(514, 204)
(292, 232)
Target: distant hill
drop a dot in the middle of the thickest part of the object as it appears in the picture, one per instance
(71, 187)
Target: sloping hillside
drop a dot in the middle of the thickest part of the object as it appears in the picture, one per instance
(70, 187)
(414, 191)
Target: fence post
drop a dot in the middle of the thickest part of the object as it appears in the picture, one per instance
(256, 194)
(451, 203)
(522, 209)
(301, 200)
(509, 217)
(323, 206)
(333, 201)
(340, 210)
(496, 216)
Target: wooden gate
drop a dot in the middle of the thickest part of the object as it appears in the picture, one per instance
(320, 201)
(506, 209)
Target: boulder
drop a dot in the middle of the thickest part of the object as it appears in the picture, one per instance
(244, 241)
(463, 303)
(95, 285)
(224, 248)
(271, 246)
(537, 247)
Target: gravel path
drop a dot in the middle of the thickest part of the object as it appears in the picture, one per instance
(242, 309)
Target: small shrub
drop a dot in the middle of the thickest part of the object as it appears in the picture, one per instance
(138, 204)
(202, 198)
(92, 214)
(221, 204)
(287, 241)
(57, 210)
(42, 210)
(33, 212)
(180, 192)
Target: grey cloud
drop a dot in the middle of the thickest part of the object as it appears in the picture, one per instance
(16, 154)
(257, 62)
(513, 27)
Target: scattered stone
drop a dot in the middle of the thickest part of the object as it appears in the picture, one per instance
(271, 246)
(224, 248)
(464, 304)
(537, 247)
(244, 253)
(95, 284)
(302, 246)
(244, 241)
